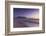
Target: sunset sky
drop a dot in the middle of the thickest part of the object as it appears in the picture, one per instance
(26, 12)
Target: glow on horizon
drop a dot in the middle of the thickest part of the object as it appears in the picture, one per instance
(33, 15)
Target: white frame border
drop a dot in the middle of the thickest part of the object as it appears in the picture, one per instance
(29, 28)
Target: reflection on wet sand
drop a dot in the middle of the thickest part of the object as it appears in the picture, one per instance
(25, 22)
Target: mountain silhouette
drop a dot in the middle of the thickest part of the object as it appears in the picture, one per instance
(21, 17)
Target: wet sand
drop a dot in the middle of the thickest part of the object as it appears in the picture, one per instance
(25, 23)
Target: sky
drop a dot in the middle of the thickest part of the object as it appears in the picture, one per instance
(26, 12)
